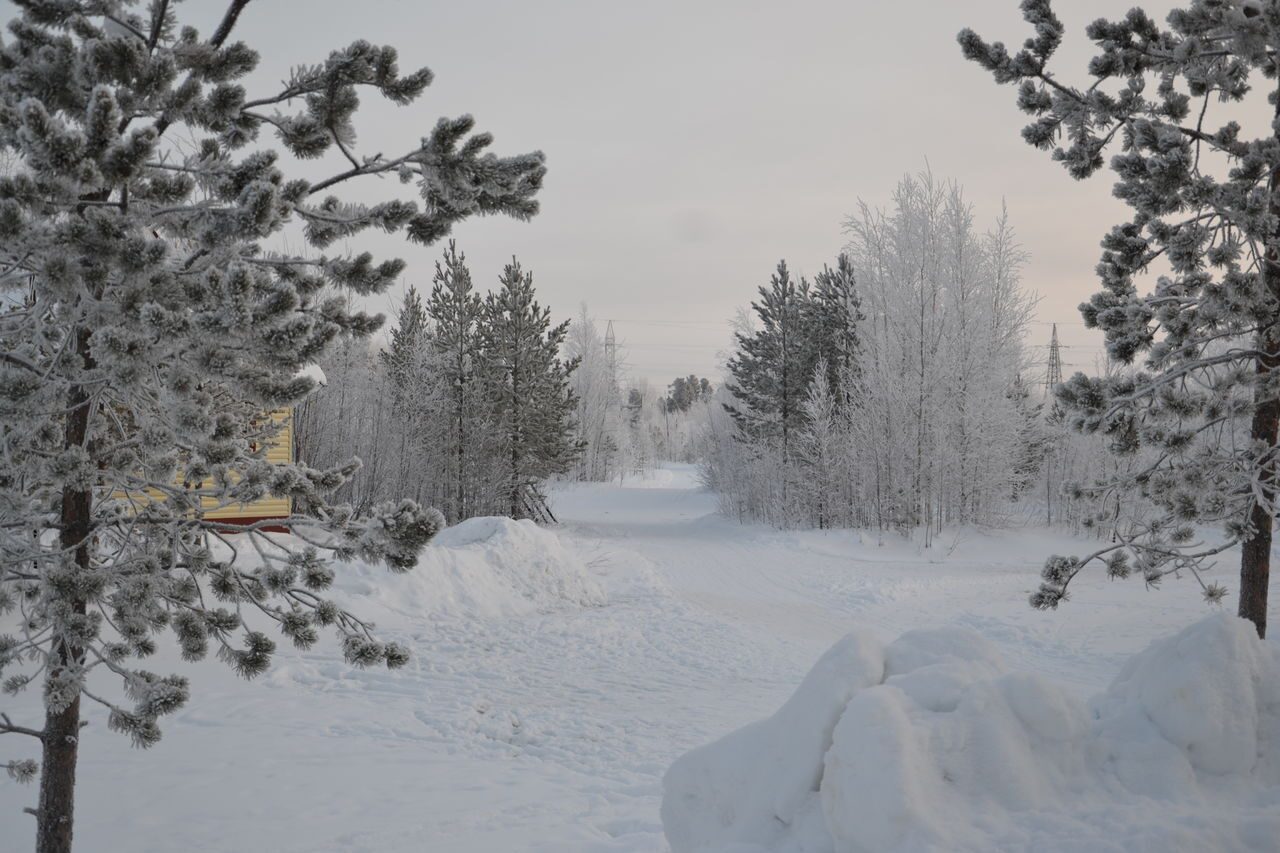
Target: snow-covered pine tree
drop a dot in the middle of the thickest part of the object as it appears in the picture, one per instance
(794, 329)
(1033, 439)
(835, 310)
(822, 446)
(685, 391)
(680, 394)
(455, 310)
(528, 386)
(1206, 204)
(145, 333)
(769, 370)
(407, 339)
(407, 389)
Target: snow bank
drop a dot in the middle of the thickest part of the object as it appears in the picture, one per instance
(931, 743)
(482, 567)
(755, 785)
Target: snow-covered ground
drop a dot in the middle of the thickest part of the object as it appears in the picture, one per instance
(556, 677)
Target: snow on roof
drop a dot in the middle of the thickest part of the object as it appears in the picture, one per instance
(313, 371)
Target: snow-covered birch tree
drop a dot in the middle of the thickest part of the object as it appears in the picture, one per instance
(599, 424)
(145, 334)
(940, 349)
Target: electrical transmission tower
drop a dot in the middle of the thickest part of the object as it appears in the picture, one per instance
(1054, 375)
(611, 358)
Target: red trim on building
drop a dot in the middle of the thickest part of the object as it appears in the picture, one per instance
(249, 520)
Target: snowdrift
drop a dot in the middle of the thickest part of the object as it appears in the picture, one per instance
(931, 743)
(482, 567)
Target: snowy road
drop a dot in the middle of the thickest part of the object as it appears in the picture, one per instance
(550, 731)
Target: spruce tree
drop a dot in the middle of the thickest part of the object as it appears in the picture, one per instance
(1206, 205)
(456, 310)
(822, 447)
(402, 358)
(406, 379)
(146, 332)
(833, 314)
(678, 397)
(528, 386)
(773, 365)
(1032, 438)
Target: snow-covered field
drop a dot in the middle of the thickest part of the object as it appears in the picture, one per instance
(556, 677)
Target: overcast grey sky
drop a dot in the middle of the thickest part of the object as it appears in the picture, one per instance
(693, 143)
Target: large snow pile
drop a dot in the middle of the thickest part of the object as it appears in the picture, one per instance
(931, 743)
(482, 567)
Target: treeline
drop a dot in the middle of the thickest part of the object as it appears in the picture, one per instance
(476, 401)
(470, 408)
(889, 392)
(892, 391)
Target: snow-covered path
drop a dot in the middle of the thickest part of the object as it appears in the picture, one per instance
(550, 731)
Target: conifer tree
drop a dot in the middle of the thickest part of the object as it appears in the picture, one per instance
(403, 356)
(772, 366)
(687, 390)
(528, 385)
(407, 381)
(1206, 203)
(822, 447)
(146, 332)
(835, 310)
(456, 310)
(1032, 434)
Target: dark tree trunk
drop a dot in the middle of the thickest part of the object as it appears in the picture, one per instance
(1255, 556)
(58, 780)
(61, 737)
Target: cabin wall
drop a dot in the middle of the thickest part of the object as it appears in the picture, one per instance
(280, 451)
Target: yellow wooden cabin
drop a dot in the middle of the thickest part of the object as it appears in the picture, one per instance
(279, 451)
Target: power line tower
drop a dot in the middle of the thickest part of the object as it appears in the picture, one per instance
(1054, 375)
(611, 358)
(613, 402)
